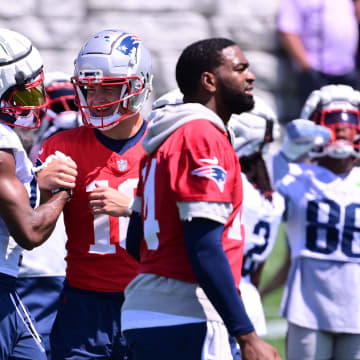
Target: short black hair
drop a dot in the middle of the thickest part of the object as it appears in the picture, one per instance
(197, 58)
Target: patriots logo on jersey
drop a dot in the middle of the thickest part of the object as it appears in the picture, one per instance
(129, 46)
(213, 172)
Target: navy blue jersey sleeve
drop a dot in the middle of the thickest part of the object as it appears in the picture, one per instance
(134, 235)
(212, 270)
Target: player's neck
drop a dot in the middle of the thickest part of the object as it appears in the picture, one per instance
(126, 128)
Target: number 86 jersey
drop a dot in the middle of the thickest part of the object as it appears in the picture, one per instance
(323, 212)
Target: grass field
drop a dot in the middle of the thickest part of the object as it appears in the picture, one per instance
(275, 324)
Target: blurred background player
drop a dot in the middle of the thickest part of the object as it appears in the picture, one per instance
(42, 271)
(22, 96)
(321, 296)
(112, 80)
(61, 113)
(262, 207)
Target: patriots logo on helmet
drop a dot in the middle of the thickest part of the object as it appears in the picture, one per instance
(129, 46)
(213, 172)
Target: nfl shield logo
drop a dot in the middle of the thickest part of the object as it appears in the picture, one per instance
(122, 165)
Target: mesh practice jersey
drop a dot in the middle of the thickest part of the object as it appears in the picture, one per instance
(195, 165)
(96, 255)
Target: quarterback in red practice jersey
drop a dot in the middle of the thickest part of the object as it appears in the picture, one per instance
(112, 80)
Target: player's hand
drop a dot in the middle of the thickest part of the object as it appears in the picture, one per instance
(253, 348)
(302, 135)
(57, 174)
(106, 200)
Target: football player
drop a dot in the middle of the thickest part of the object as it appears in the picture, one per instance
(322, 223)
(189, 237)
(112, 79)
(262, 206)
(22, 97)
(251, 133)
(42, 270)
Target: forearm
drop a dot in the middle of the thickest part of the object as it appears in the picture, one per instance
(30, 228)
(213, 272)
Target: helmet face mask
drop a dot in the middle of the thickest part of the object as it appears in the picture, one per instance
(22, 94)
(333, 118)
(61, 98)
(119, 94)
(112, 78)
(23, 103)
(338, 120)
(61, 112)
(335, 107)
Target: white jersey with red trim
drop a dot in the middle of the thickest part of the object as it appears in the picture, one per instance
(10, 251)
(96, 255)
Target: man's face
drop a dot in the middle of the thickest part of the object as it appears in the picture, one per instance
(235, 81)
(103, 95)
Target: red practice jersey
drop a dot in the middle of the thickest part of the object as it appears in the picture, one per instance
(196, 163)
(96, 255)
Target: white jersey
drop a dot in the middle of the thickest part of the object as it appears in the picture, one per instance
(10, 251)
(323, 212)
(323, 230)
(47, 259)
(261, 219)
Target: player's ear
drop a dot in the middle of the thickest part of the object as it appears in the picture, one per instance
(208, 81)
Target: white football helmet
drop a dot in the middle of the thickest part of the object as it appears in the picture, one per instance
(251, 131)
(335, 106)
(112, 58)
(22, 92)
